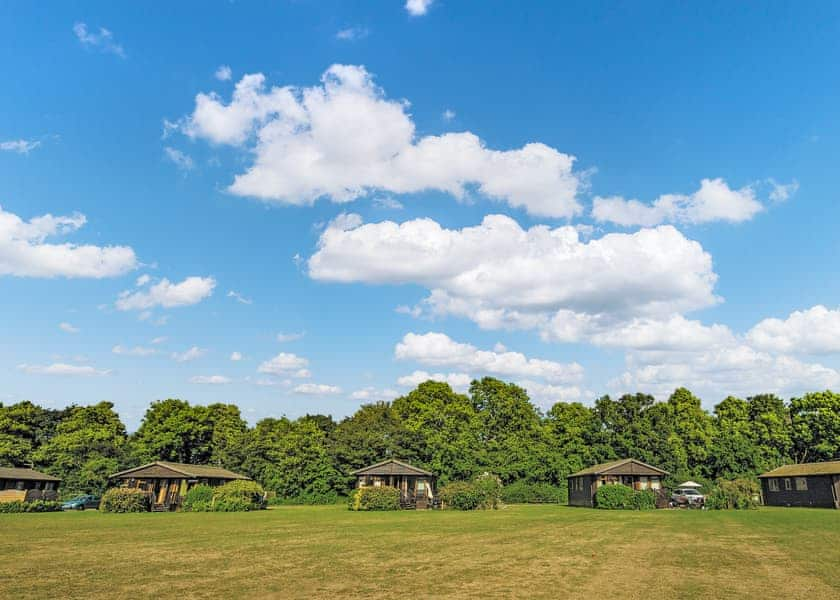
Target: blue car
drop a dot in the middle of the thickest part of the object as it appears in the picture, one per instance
(81, 503)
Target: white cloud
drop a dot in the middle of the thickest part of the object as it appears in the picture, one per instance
(24, 252)
(674, 333)
(812, 331)
(351, 34)
(714, 201)
(223, 73)
(457, 381)
(781, 192)
(286, 363)
(68, 328)
(372, 394)
(159, 340)
(19, 146)
(289, 337)
(63, 369)
(168, 295)
(448, 115)
(316, 389)
(501, 276)
(344, 139)
(546, 395)
(210, 379)
(239, 297)
(417, 8)
(103, 40)
(236, 356)
(135, 351)
(438, 349)
(388, 202)
(142, 280)
(189, 355)
(179, 159)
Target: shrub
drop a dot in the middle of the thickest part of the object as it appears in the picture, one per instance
(739, 494)
(644, 500)
(19, 506)
(124, 500)
(614, 497)
(15, 506)
(484, 492)
(239, 495)
(521, 492)
(198, 499)
(306, 499)
(374, 498)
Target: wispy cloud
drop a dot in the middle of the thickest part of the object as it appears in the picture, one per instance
(135, 351)
(448, 115)
(210, 379)
(239, 297)
(191, 354)
(20, 146)
(179, 159)
(223, 73)
(351, 34)
(63, 369)
(103, 40)
(68, 328)
(289, 337)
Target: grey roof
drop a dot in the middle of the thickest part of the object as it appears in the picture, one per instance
(830, 467)
(392, 467)
(193, 471)
(609, 466)
(25, 474)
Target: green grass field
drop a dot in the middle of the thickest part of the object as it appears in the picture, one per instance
(519, 551)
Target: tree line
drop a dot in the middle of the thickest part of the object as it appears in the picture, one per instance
(494, 428)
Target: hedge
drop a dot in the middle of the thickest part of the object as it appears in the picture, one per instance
(521, 492)
(306, 499)
(739, 494)
(374, 498)
(237, 496)
(19, 506)
(124, 500)
(199, 498)
(621, 497)
(483, 492)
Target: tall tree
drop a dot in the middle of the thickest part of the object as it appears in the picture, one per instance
(816, 426)
(174, 430)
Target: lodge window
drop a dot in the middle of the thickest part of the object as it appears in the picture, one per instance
(787, 483)
(801, 484)
(20, 485)
(773, 484)
(49, 486)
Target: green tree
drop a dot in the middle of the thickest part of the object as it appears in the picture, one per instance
(173, 430)
(815, 420)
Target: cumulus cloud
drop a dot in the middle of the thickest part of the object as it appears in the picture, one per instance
(546, 395)
(316, 389)
(438, 349)
(344, 139)
(189, 355)
(68, 328)
(223, 73)
(287, 364)
(19, 146)
(812, 331)
(417, 8)
(210, 379)
(135, 351)
(63, 369)
(24, 251)
(502, 276)
(103, 40)
(714, 201)
(166, 294)
(372, 394)
(457, 381)
(142, 280)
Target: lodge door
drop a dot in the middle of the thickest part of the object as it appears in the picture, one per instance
(160, 490)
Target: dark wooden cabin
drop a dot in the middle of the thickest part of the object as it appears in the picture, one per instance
(167, 483)
(806, 484)
(417, 487)
(629, 471)
(27, 485)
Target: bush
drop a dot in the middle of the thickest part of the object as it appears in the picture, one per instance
(306, 499)
(614, 497)
(644, 500)
(521, 492)
(238, 495)
(124, 500)
(19, 506)
(198, 499)
(484, 492)
(739, 494)
(374, 498)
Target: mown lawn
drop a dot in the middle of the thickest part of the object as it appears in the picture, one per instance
(520, 551)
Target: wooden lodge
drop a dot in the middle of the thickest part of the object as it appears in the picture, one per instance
(167, 483)
(629, 471)
(417, 487)
(806, 484)
(27, 485)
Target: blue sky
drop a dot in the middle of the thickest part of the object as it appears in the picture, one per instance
(394, 195)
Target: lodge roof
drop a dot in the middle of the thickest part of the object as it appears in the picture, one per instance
(392, 467)
(831, 467)
(625, 466)
(25, 474)
(191, 471)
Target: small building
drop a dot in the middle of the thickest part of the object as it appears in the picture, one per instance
(167, 483)
(27, 485)
(629, 471)
(806, 484)
(417, 486)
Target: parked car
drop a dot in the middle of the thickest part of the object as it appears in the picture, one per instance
(81, 502)
(687, 497)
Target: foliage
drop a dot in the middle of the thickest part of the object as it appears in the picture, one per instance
(644, 499)
(374, 498)
(484, 492)
(522, 492)
(19, 506)
(198, 498)
(737, 494)
(124, 500)
(306, 499)
(238, 495)
(614, 497)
